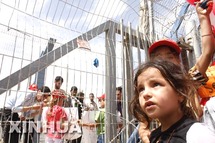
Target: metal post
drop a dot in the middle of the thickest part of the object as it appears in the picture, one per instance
(146, 45)
(151, 23)
(144, 17)
(191, 39)
(110, 87)
(128, 68)
(123, 80)
(138, 46)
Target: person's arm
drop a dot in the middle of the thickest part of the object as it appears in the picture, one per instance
(91, 125)
(26, 108)
(34, 107)
(23, 103)
(208, 46)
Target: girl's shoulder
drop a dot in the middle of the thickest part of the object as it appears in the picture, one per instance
(199, 133)
(176, 133)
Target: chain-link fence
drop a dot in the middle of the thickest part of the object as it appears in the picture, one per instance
(95, 45)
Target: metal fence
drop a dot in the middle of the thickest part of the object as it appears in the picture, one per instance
(40, 41)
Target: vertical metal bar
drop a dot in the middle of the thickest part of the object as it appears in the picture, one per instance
(128, 78)
(32, 47)
(138, 46)
(151, 23)
(110, 83)
(145, 43)
(67, 75)
(12, 62)
(144, 17)
(123, 79)
(191, 39)
(196, 43)
(1, 63)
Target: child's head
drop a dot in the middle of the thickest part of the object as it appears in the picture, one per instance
(119, 93)
(91, 96)
(58, 82)
(102, 100)
(73, 90)
(166, 50)
(43, 94)
(161, 89)
(80, 97)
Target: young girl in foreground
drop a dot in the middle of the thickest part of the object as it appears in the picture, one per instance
(55, 117)
(163, 92)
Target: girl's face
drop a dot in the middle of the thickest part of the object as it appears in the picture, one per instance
(156, 96)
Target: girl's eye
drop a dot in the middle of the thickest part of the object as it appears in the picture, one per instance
(156, 84)
(141, 89)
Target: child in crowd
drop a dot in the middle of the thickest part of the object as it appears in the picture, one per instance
(164, 92)
(100, 121)
(55, 117)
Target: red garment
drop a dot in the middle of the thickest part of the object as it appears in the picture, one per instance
(204, 101)
(53, 121)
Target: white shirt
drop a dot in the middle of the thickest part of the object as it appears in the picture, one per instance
(91, 106)
(199, 133)
(16, 102)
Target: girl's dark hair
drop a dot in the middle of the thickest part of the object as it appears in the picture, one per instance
(45, 89)
(179, 81)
